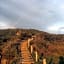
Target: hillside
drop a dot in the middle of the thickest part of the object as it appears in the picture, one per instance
(50, 45)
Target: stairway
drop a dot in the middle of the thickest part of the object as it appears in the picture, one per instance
(26, 57)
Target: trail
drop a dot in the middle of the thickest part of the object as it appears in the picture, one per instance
(26, 57)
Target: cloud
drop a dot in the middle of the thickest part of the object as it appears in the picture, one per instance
(37, 14)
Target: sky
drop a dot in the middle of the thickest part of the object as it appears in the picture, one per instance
(44, 15)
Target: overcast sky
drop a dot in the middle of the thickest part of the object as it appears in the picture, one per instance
(45, 15)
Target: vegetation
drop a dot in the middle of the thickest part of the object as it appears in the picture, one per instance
(50, 45)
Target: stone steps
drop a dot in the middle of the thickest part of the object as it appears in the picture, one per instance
(26, 57)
